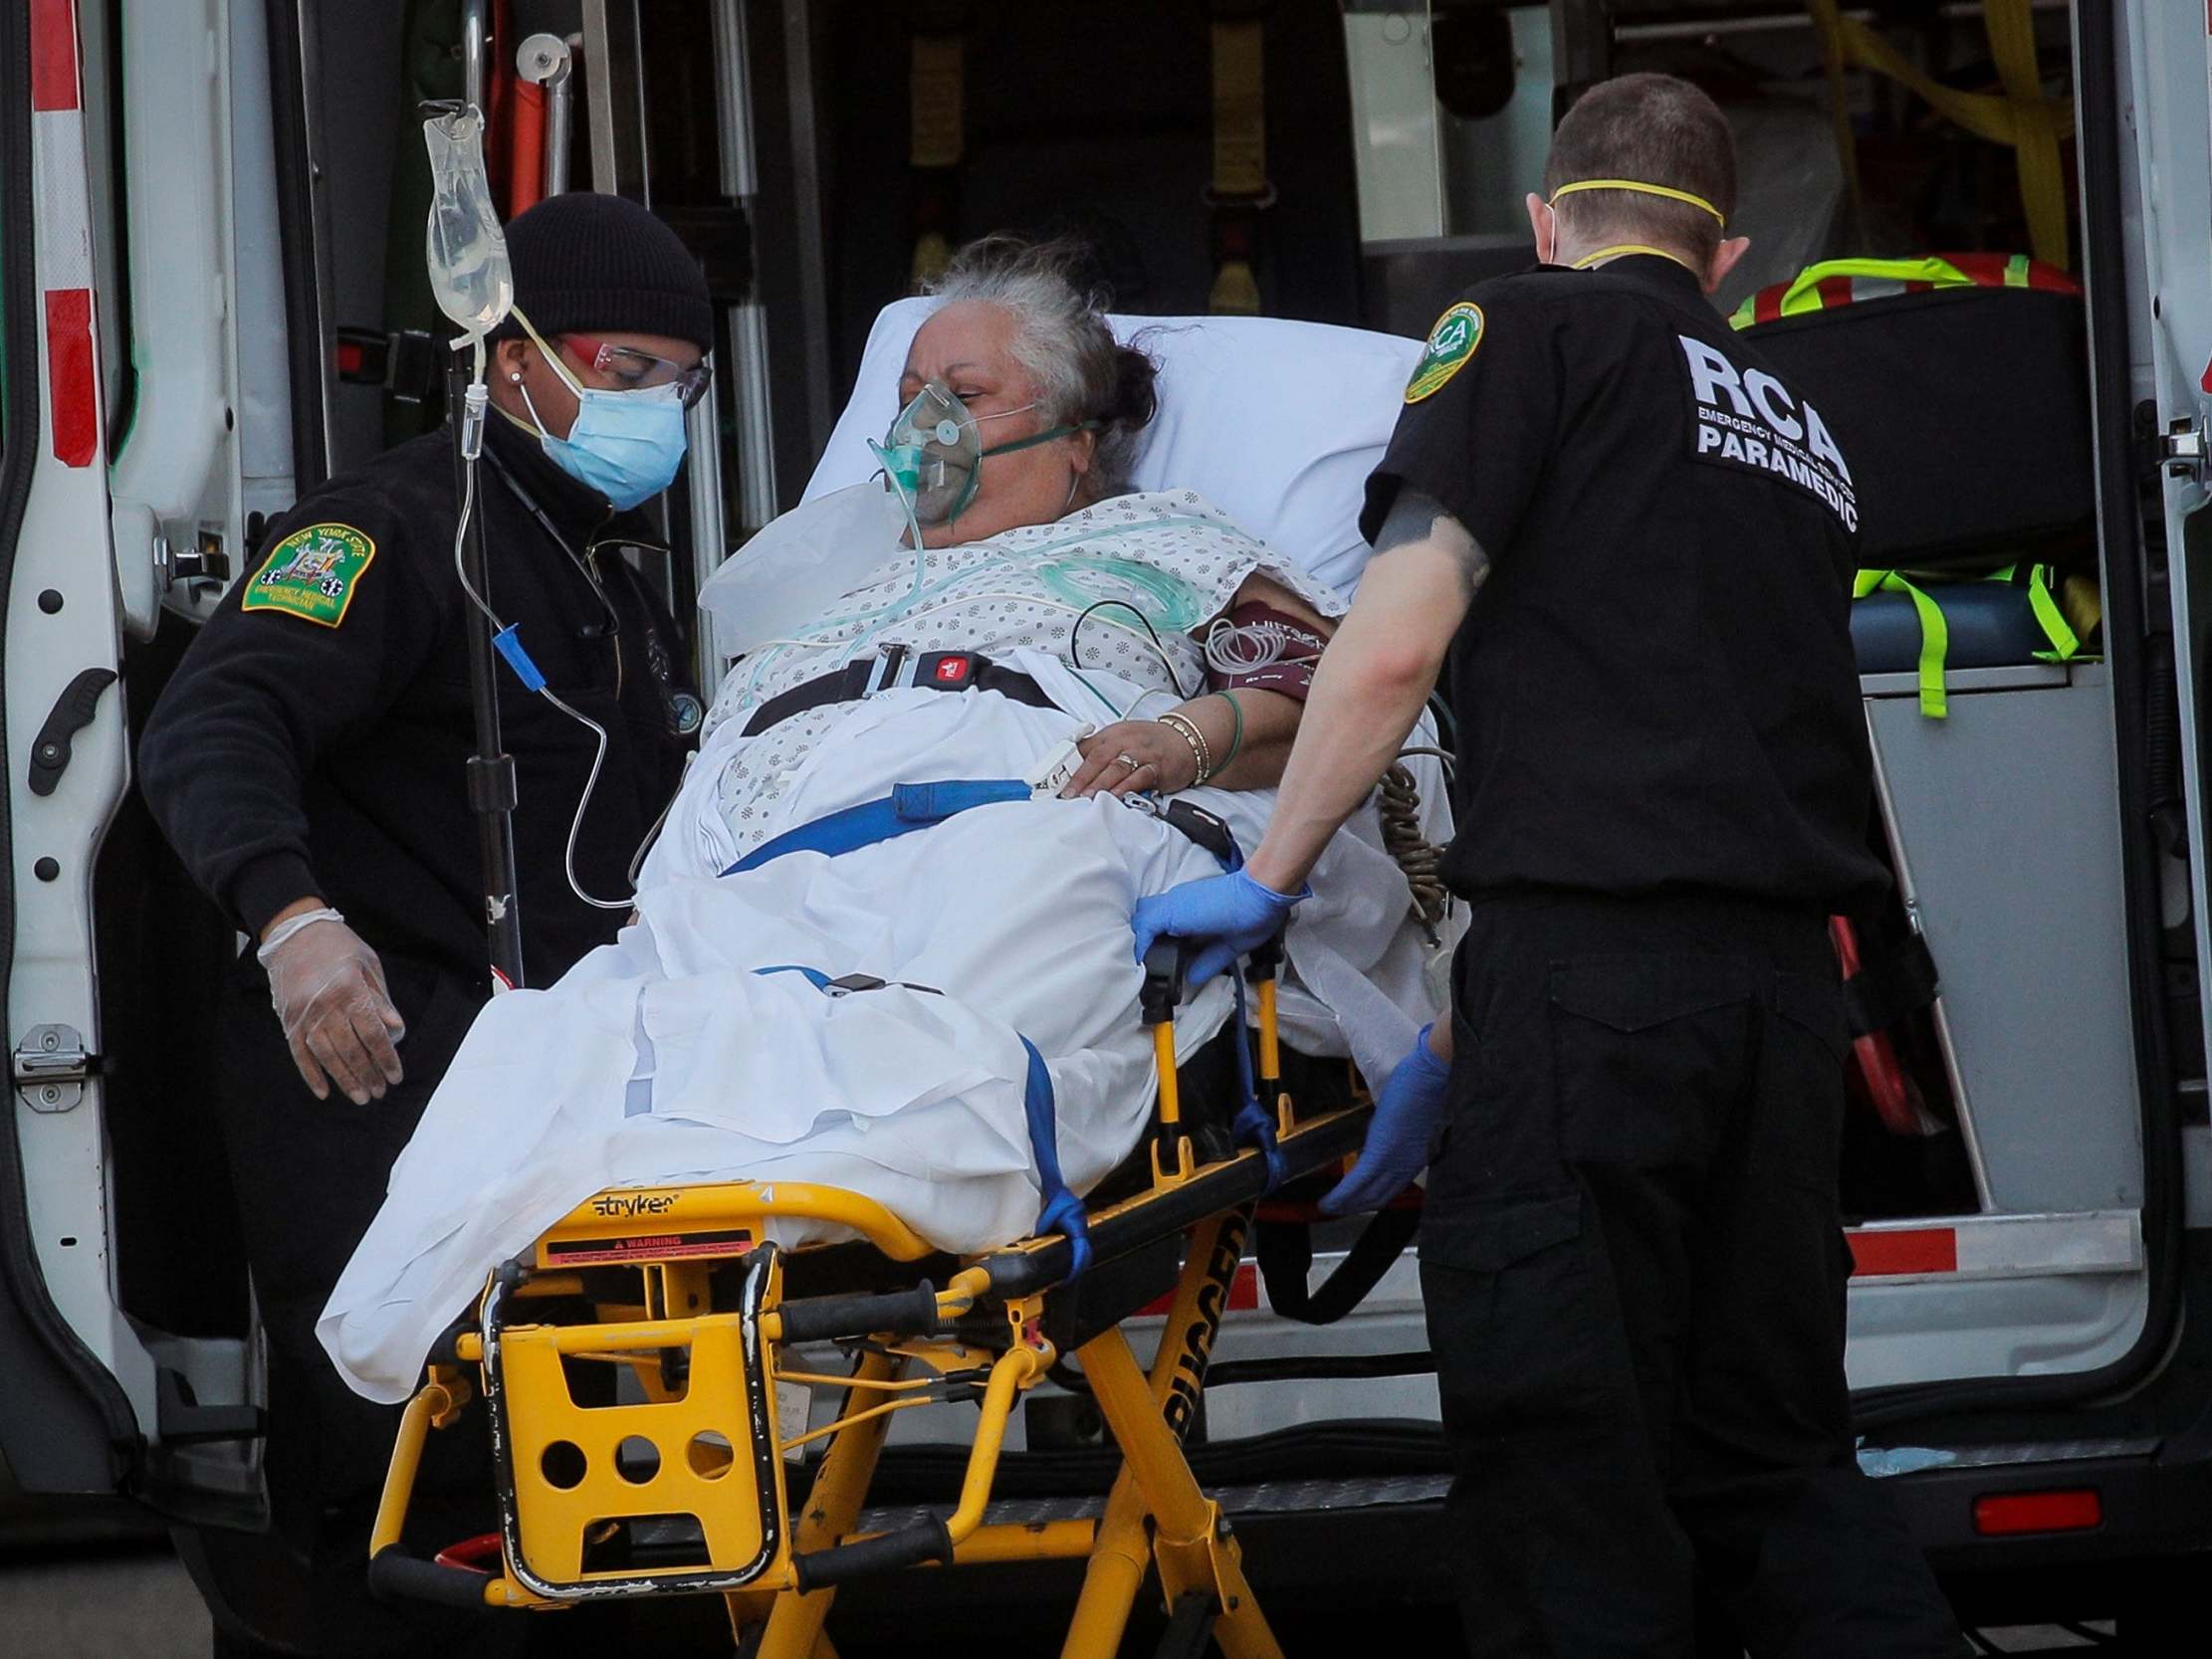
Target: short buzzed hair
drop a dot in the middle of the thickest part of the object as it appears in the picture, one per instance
(1656, 129)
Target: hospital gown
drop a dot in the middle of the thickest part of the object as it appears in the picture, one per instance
(688, 1050)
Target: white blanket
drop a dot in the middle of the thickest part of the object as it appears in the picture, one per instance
(668, 1057)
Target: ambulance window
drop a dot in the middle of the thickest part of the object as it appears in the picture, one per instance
(1452, 110)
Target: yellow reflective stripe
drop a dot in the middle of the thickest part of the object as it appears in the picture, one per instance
(1639, 188)
(1935, 636)
(1804, 293)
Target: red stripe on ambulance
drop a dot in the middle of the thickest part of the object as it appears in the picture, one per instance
(1921, 1250)
(1243, 1295)
(72, 375)
(54, 54)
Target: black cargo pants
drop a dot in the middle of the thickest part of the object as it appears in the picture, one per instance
(310, 1176)
(1635, 1279)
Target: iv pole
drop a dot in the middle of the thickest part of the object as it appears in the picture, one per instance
(470, 274)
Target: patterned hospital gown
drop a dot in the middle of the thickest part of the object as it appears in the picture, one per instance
(1170, 554)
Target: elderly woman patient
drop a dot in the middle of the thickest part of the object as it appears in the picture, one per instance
(839, 976)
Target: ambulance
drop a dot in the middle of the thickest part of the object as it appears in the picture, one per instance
(1981, 245)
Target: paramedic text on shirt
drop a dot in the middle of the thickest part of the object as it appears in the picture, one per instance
(308, 764)
(1630, 1250)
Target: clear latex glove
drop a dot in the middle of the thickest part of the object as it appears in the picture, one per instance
(1402, 1135)
(1227, 914)
(328, 988)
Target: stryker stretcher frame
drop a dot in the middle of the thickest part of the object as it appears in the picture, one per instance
(708, 1374)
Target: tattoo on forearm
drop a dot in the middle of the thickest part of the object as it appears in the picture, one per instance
(1415, 516)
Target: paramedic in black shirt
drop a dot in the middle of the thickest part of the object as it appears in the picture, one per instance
(1630, 1250)
(306, 761)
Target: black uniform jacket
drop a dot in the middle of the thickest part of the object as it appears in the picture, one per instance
(1656, 687)
(314, 739)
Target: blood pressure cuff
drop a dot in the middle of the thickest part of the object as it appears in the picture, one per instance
(1279, 648)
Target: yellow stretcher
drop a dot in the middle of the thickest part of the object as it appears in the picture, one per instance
(677, 1287)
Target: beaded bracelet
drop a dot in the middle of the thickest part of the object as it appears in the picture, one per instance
(1235, 738)
(1201, 752)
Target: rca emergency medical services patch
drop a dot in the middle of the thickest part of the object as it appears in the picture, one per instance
(1451, 343)
(1746, 420)
(311, 573)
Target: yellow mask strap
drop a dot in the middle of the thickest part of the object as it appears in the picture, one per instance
(1640, 189)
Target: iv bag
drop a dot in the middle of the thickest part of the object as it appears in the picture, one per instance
(464, 246)
(797, 565)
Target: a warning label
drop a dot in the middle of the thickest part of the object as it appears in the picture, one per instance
(1748, 420)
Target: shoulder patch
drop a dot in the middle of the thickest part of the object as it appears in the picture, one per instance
(1451, 343)
(311, 573)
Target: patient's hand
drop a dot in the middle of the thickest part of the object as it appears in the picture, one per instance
(1133, 755)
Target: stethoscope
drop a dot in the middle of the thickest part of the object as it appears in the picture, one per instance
(678, 702)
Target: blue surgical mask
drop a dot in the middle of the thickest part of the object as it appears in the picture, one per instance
(626, 445)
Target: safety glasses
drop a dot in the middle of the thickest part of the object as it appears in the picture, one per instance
(634, 370)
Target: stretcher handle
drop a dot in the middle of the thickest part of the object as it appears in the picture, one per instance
(924, 1541)
(1166, 964)
(396, 1575)
(817, 1319)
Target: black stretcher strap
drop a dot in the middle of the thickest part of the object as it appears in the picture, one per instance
(1285, 1252)
(936, 670)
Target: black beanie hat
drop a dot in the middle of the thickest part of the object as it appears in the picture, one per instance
(585, 261)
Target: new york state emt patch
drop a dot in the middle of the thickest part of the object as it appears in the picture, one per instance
(311, 573)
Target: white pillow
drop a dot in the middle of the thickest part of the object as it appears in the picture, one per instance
(1277, 423)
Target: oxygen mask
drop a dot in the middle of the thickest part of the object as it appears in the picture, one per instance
(933, 454)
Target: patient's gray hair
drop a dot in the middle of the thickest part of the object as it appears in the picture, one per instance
(1083, 373)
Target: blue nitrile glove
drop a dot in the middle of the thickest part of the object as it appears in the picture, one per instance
(1399, 1138)
(1231, 914)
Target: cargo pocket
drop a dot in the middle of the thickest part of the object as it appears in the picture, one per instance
(1494, 1234)
(1517, 1308)
(1648, 1054)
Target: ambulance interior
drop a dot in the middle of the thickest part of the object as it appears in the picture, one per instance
(2030, 1000)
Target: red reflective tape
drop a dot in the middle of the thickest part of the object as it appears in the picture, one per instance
(2005, 1514)
(1910, 1250)
(1834, 290)
(72, 375)
(1766, 304)
(1243, 1295)
(53, 54)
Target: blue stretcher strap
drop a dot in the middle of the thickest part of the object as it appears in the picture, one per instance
(1063, 1212)
(1254, 1125)
(909, 807)
(815, 976)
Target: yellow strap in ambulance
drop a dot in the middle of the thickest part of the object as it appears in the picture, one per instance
(936, 139)
(2021, 116)
(1239, 152)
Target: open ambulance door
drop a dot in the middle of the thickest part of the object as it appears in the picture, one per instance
(145, 428)
(70, 1421)
(2169, 66)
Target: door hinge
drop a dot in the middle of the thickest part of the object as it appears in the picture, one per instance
(2182, 449)
(52, 1068)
